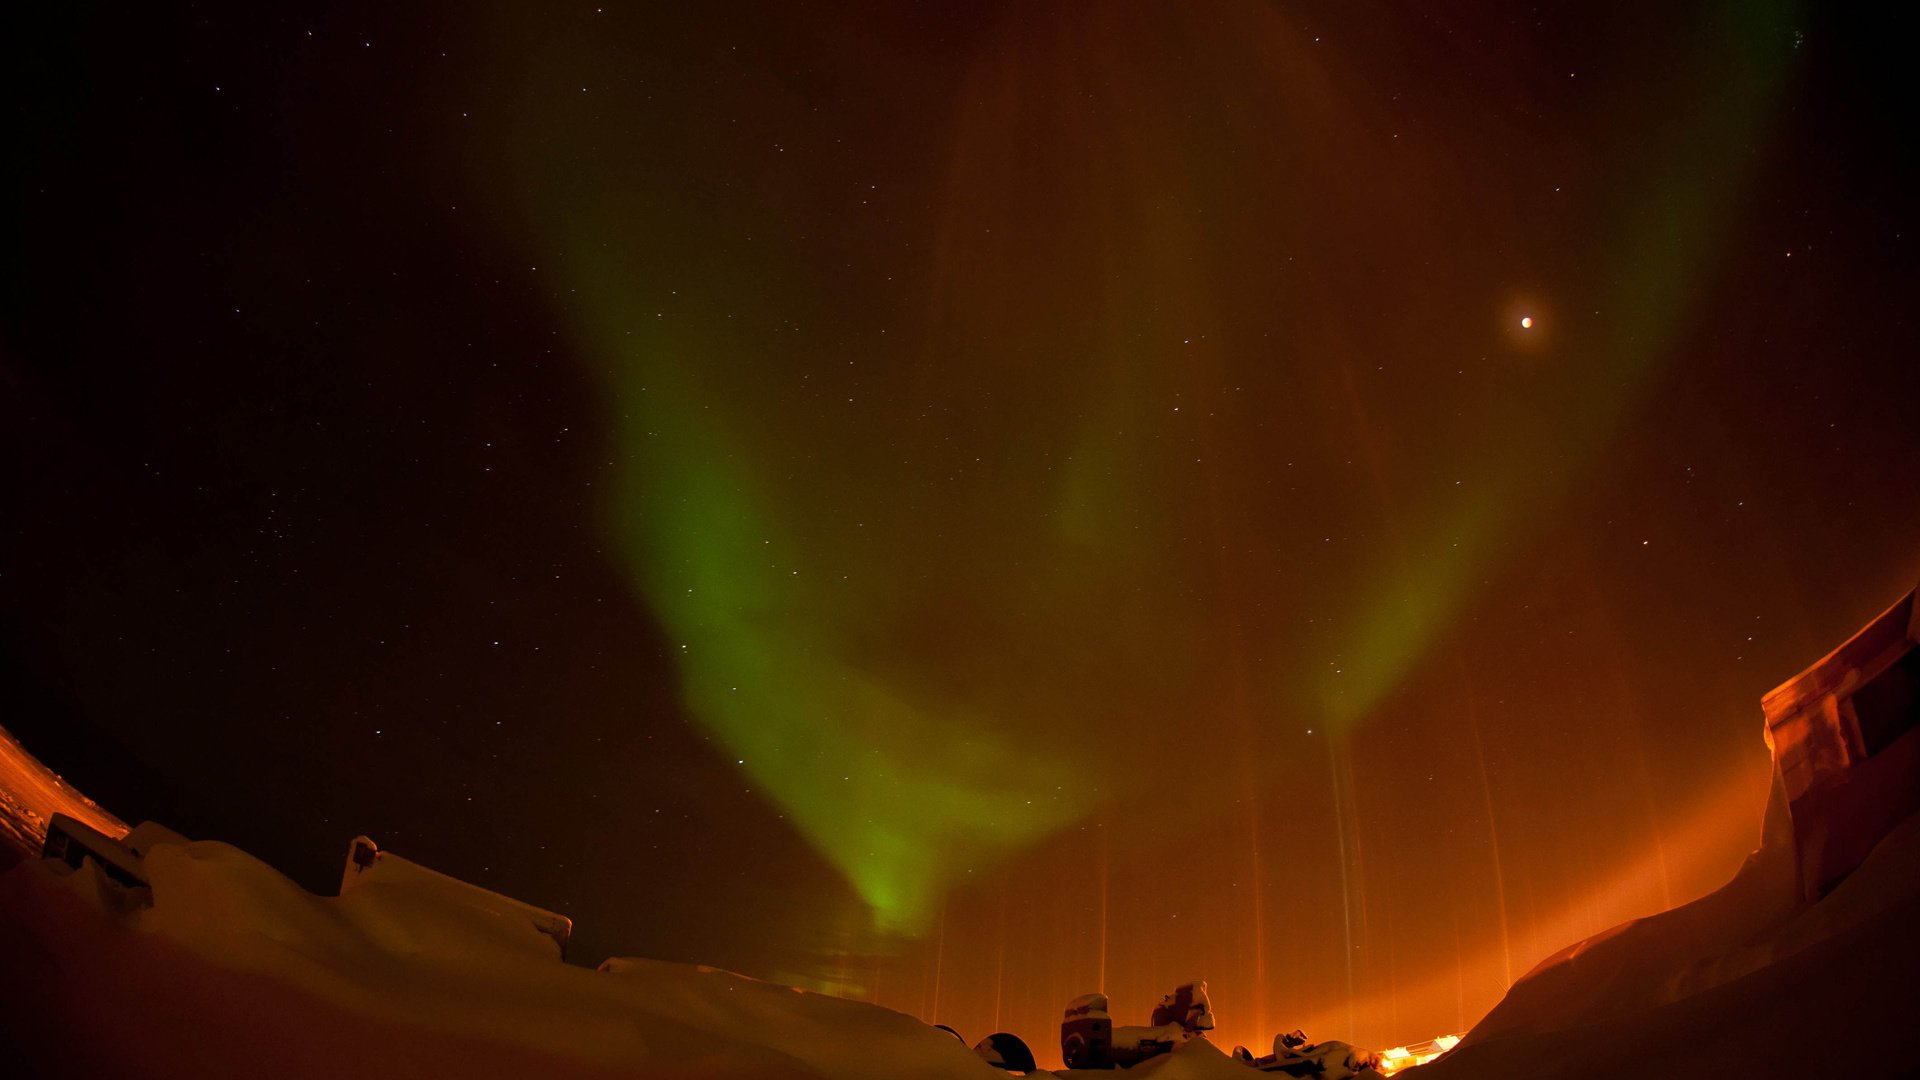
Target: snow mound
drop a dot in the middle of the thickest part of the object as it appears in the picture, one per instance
(1818, 934)
(1196, 1059)
(1836, 977)
(235, 970)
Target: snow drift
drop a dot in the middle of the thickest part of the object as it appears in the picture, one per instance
(1810, 949)
(231, 969)
(220, 966)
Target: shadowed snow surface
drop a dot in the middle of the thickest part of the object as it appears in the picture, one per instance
(1727, 985)
(235, 970)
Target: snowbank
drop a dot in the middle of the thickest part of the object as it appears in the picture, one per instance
(1810, 950)
(1829, 990)
(1195, 1060)
(236, 971)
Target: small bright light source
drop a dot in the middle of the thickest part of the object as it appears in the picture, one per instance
(1526, 322)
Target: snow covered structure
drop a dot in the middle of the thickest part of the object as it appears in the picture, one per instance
(368, 865)
(1846, 747)
(1088, 1039)
(1818, 932)
(72, 842)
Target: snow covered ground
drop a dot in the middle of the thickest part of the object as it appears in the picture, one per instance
(233, 970)
(1720, 989)
(224, 967)
(220, 966)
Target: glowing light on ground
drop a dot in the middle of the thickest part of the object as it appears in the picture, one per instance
(1406, 1057)
(31, 793)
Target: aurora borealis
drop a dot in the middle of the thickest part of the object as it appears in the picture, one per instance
(964, 505)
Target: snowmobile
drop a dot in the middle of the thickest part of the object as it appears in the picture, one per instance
(1293, 1055)
(1088, 1039)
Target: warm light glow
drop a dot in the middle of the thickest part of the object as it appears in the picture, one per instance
(31, 793)
(1526, 322)
(1406, 1057)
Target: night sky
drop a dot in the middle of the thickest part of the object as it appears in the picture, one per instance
(962, 505)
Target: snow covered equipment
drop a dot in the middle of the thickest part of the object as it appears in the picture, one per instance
(1088, 1039)
(1086, 1033)
(1187, 1006)
(1293, 1055)
(1006, 1051)
(367, 864)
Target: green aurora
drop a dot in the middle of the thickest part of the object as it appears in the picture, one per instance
(889, 662)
